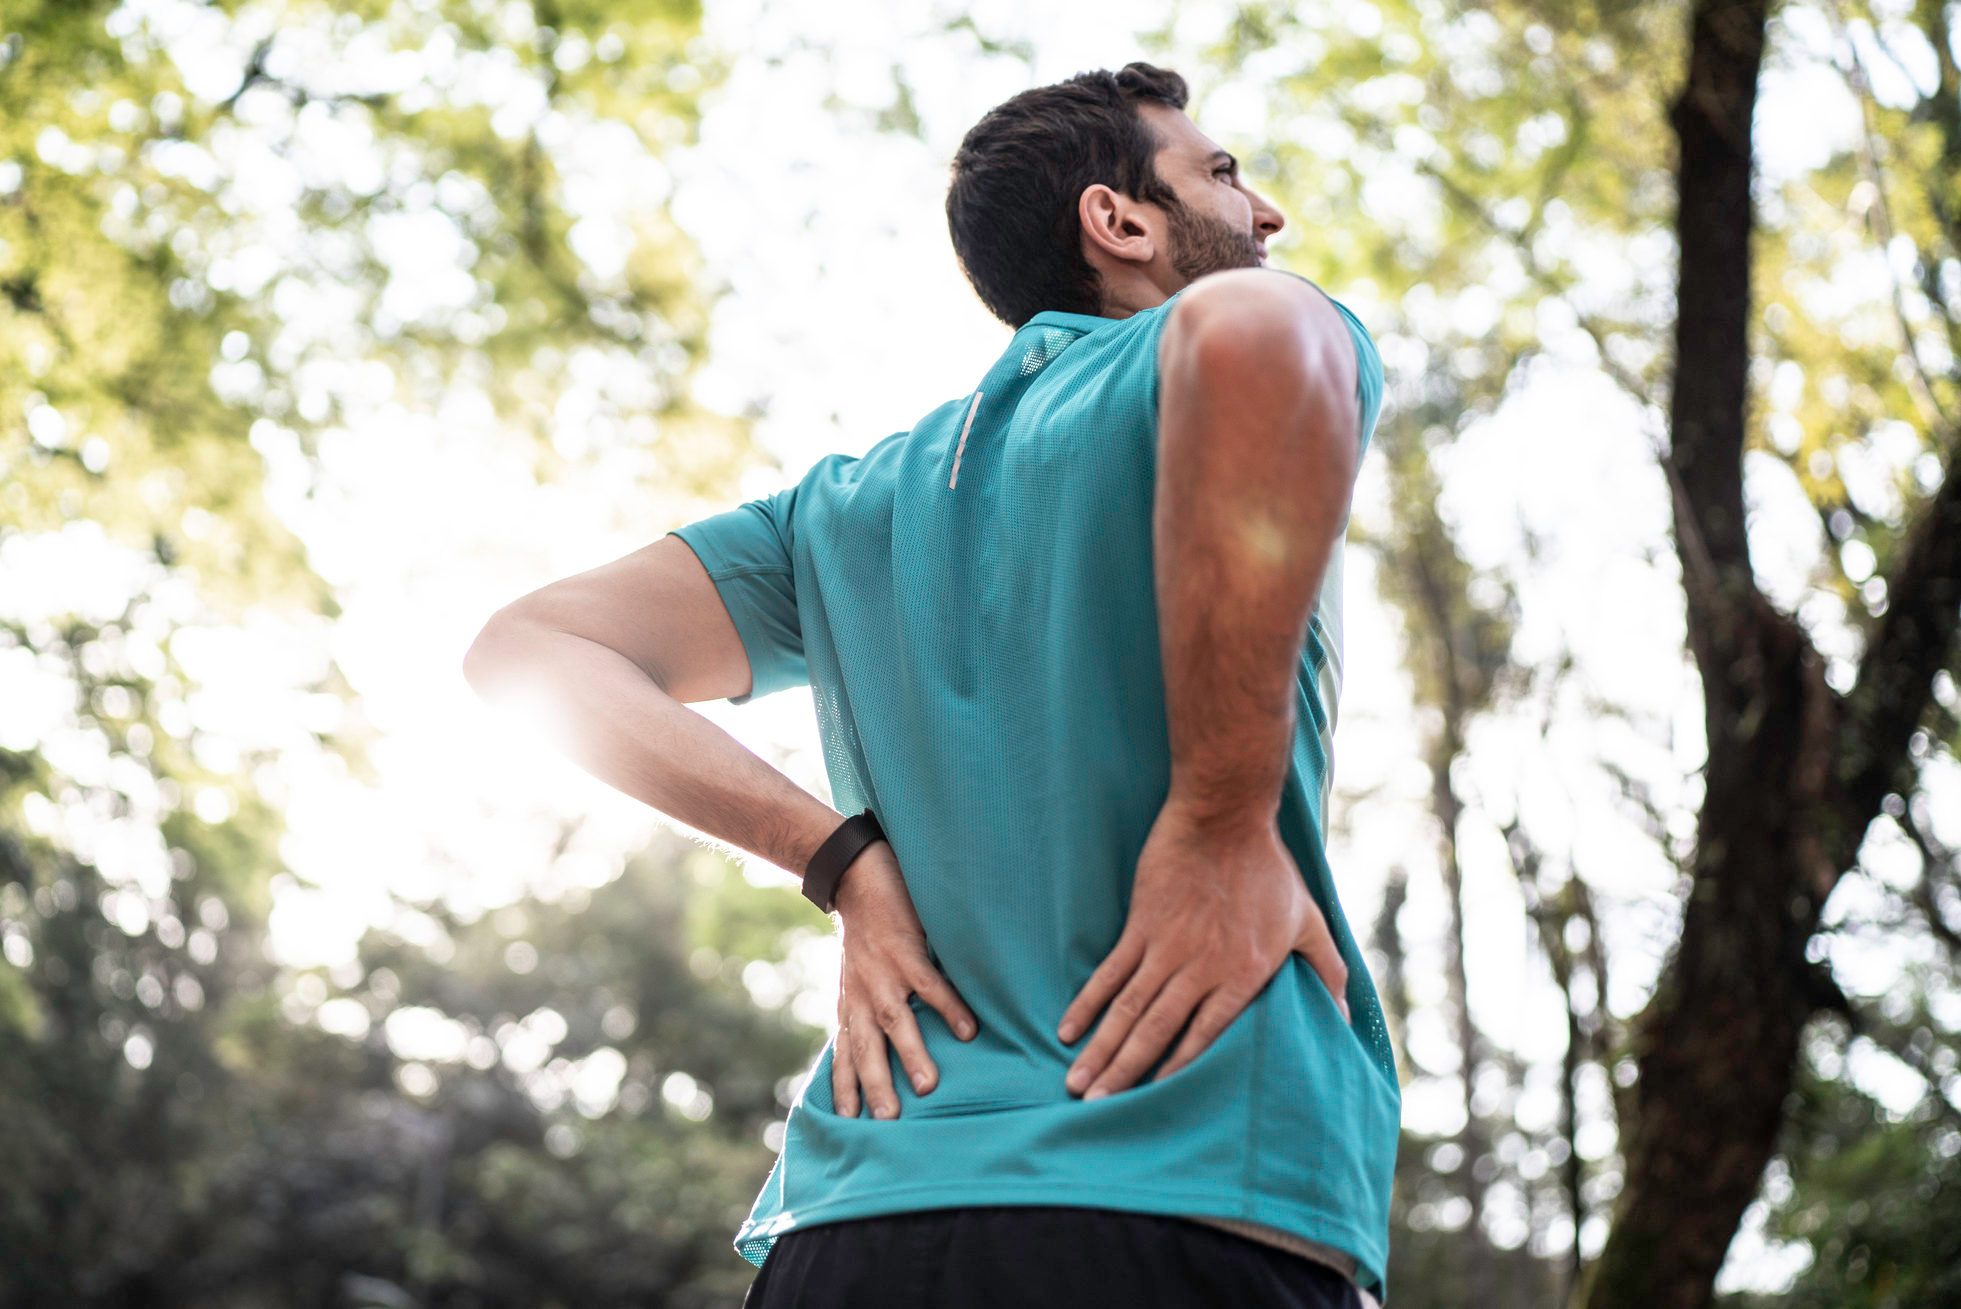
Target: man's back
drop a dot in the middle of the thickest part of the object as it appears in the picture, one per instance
(972, 603)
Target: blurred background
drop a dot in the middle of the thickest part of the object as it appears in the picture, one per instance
(328, 328)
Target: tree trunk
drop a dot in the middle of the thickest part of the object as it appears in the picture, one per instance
(1716, 1048)
(1795, 773)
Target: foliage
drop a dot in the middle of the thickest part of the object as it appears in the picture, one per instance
(202, 283)
(1876, 1196)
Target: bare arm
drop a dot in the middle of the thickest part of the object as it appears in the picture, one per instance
(1257, 456)
(611, 658)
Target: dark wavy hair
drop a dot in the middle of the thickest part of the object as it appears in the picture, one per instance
(1019, 172)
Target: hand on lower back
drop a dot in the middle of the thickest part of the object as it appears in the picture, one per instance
(1214, 912)
(885, 962)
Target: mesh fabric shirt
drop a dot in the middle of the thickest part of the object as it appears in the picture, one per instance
(972, 604)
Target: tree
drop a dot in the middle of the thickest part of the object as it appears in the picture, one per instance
(1796, 770)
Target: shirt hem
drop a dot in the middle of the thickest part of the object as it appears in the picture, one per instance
(754, 1239)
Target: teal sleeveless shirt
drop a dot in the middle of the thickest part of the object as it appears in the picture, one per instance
(972, 604)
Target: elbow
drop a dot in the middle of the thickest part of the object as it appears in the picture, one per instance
(487, 662)
(476, 671)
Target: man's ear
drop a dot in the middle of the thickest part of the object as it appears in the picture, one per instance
(1115, 224)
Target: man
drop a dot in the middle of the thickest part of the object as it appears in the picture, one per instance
(1074, 641)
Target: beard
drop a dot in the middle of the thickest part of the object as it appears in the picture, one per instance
(1201, 244)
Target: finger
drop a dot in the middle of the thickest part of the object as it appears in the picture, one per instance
(1124, 1011)
(1319, 949)
(1149, 1037)
(903, 1030)
(932, 987)
(1115, 969)
(1215, 1014)
(873, 1064)
(844, 1075)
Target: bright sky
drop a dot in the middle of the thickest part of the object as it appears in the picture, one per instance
(848, 314)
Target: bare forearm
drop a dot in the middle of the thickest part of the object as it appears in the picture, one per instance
(620, 726)
(1257, 458)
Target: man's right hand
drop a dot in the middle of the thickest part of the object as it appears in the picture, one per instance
(1217, 906)
(885, 962)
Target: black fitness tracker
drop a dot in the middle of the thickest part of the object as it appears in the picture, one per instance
(827, 866)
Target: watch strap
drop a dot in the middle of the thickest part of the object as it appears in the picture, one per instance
(827, 866)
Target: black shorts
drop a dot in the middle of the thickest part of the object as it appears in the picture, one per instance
(1036, 1257)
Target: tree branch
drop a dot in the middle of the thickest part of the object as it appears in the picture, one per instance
(1708, 404)
(1911, 641)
